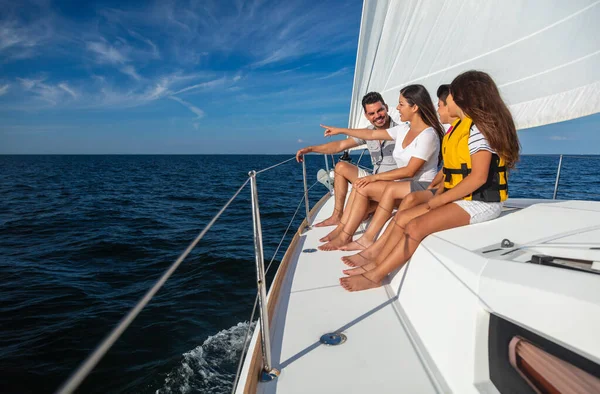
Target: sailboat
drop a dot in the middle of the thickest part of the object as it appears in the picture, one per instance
(507, 306)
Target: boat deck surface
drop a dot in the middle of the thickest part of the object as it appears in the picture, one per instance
(378, 355)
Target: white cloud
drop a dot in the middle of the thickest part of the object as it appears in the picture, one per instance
(335, 73)
(67, 89)
(4, 89)
(28, 84)
(300, 140)
(557, 138)
(203, 85)
(106, 53)
(199, 113)
(130, 70)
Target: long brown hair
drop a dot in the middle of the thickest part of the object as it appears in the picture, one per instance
(476, 93)
(417, 94)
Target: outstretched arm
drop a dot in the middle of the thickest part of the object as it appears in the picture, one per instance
(480, 163)
(365, 134)
(328, 148)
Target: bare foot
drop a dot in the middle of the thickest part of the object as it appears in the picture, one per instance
(334, 220)
(360, 244)
(355, 260)
(333, 234)
(359, 282)
(360, 270)
(335, 243)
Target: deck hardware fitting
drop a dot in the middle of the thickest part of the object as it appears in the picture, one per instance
(333, 339)
(267, 376)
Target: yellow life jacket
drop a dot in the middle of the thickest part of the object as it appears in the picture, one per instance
(457, 165)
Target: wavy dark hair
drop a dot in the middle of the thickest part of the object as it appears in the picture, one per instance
(477, 95)
(418, 95)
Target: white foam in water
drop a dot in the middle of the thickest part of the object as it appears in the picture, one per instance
(210, 367)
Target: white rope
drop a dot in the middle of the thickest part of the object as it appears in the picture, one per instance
(81, 373)
(275, 165)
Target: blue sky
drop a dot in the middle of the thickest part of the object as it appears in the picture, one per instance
(190, 77)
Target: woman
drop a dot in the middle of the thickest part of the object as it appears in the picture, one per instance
(416, 153)
(477, 153)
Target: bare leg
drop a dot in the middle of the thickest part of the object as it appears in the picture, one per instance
(370, 254)
(392, 195)
(344, 173)
(395, 235)
(360, 205)
(442, 218)
(334, 233)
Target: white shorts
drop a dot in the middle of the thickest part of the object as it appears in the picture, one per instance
(480, 211)
(363, 173)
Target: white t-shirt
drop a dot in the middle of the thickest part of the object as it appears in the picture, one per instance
(426, 146)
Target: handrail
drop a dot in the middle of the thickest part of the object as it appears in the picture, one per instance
(84, 370)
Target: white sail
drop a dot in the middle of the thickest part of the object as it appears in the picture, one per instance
(544, 55)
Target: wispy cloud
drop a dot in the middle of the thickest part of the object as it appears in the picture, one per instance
(130, 70)
(335, 73)
(199, 113)
(204, 85)
(147, 41)
(4, 89)
(106, 53)
(558, 138)
(300, 140)
(67, 89)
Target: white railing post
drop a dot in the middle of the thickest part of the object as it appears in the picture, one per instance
(306, 193)
(268, 372)
(557, 177)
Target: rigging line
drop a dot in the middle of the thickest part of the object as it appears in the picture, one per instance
(288, 228)
(239, 369)
(535, 33)
(275, 165)
(84, 369)
(284, 234)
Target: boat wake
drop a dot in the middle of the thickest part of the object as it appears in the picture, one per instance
(210, 367)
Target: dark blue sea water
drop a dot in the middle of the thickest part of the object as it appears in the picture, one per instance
(82, 238)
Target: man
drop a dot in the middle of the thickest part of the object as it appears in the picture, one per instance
(376, 112)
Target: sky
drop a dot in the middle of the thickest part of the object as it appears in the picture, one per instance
(190, 77)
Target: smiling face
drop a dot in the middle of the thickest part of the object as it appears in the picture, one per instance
(377, 114)
(406, 110)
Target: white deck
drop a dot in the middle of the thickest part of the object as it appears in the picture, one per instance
(377, 348)
(433, 336)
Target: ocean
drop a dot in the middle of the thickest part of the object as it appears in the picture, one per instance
(82, 238)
